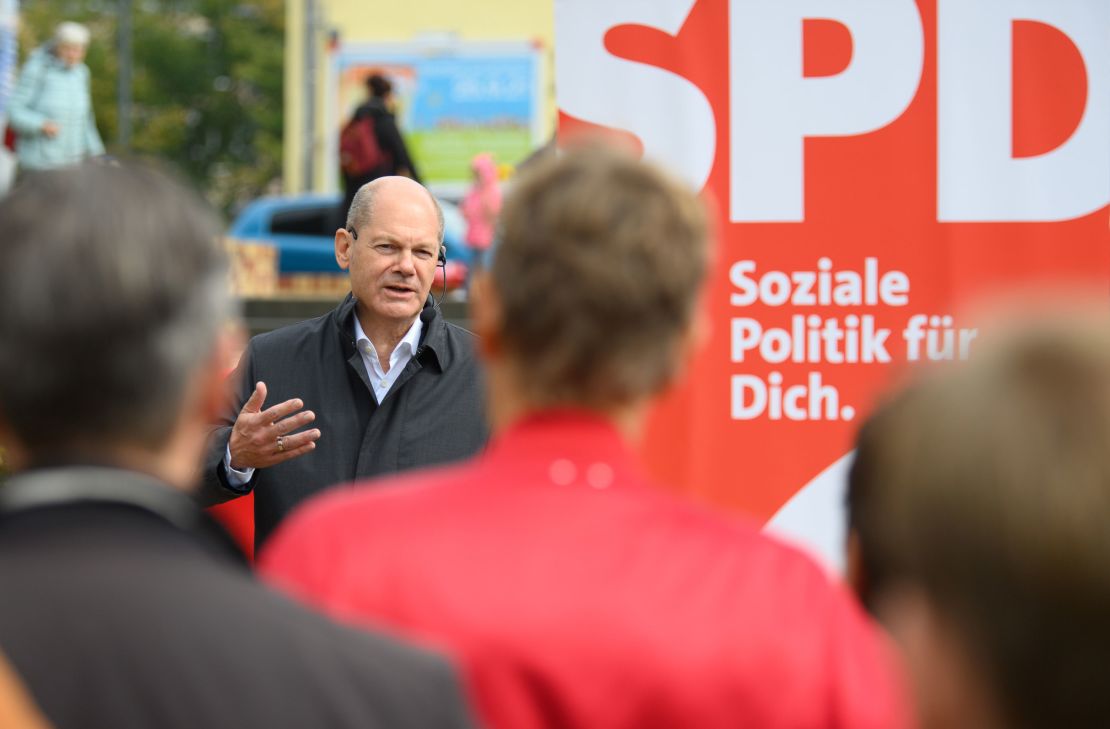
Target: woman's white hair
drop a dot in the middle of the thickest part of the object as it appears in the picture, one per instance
(71, 34)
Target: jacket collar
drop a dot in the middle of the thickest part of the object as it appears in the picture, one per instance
(434, 346)
(564, 446)
(59, 482)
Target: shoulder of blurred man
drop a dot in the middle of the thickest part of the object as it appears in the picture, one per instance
(189, 632)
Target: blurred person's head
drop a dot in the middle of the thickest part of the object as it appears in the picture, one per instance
(71, 40)
(484, 168)
(978, 503)
(391, 248)
(591, 301)
(379, 86)
(113, 296)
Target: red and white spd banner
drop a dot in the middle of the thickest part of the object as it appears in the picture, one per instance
(876, 163)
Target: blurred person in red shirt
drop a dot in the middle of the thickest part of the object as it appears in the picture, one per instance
(573, 592)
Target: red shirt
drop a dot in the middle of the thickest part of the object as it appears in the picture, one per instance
(575, 595)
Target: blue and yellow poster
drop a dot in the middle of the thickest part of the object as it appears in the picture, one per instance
(451, 103)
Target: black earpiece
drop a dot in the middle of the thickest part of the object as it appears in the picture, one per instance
(429, 312)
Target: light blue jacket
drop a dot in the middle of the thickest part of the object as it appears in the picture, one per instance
(48, 90)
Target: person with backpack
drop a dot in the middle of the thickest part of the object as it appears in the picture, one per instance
(51, 109)
(370, 144)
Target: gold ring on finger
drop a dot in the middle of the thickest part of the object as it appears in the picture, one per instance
(281, 443)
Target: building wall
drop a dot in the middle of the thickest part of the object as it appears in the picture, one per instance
(359, 21)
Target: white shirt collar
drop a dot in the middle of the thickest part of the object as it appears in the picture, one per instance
(404, 348)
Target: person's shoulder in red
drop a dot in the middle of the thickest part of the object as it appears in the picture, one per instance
(792, 628)
(320, 552)
(438, 555)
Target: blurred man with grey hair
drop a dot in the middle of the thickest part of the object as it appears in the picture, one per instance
(123, 605)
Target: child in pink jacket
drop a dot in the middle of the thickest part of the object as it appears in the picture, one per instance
(480, 208)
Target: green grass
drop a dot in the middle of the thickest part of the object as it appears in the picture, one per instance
(444, 155)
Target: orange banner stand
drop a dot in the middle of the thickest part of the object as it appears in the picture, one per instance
(877, 166)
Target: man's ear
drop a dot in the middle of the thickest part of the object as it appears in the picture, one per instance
(486, 314)
(12, 455)
(343, 242)
(854, 573)
(694, 338)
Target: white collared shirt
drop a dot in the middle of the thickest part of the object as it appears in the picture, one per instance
(381, 381)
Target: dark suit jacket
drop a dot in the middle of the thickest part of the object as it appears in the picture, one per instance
(123, 609)
(433, 414)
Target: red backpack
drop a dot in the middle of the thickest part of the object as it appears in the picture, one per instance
(359, 151)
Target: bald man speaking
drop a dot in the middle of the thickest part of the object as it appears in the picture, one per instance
(380, 384)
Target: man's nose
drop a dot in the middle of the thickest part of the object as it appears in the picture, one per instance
(406, 263)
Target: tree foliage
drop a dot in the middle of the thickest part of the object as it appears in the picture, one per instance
(206, 84)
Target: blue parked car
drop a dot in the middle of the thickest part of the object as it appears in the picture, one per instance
(302, 228)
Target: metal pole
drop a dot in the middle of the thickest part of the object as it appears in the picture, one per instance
(310, 10)
(9, 18)
(123, 92)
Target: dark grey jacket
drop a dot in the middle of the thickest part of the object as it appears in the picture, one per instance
(434, 413)
(125, 608)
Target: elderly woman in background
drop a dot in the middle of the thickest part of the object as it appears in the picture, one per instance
(51, 109)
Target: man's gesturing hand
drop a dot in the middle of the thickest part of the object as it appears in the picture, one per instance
(260, 438)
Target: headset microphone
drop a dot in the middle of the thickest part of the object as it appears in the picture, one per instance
(429, 312)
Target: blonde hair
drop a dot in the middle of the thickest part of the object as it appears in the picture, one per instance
(598, 270)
